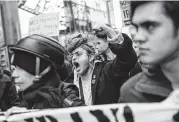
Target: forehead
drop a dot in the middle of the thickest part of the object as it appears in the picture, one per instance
(79, 49)
(151, 11)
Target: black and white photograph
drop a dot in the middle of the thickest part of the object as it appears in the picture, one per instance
(89, 61)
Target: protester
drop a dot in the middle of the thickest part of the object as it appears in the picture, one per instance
(138, 67)
(8, 93)
(99, 83)
(102, 50)
(104, 53)
(36, 63)
(157, 36)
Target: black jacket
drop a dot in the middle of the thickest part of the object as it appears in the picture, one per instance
(108, 77)
(52, 94)
(145, 88)
(8, 93)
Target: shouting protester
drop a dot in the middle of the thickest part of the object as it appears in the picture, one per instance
(99, 83)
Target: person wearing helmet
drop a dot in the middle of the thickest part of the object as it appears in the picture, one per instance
(35, 64)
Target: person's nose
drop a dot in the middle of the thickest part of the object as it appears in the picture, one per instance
(74, 57)
(96, 51)
(140, 36)
(14, 72)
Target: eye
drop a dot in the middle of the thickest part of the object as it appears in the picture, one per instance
(150, 26)
(98, 43)
(78, 53)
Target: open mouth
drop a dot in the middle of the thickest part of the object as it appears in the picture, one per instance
(76, 65)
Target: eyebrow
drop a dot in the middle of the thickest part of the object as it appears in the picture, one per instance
(148, 22)
(133, 24)
(76, 52)
(145, 22)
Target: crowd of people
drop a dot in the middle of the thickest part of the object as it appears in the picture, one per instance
(105, 70)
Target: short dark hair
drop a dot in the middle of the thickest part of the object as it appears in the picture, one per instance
(101, 35)
(171, 8)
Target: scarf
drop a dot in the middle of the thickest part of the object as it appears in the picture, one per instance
(44, 97)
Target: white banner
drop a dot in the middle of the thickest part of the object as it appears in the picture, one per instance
(125, 12)
(46, 24)
(144, 112)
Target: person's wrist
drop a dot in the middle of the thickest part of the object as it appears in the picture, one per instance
(110, 32)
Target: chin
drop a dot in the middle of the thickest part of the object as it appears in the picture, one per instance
(20, 89)
(147, 60)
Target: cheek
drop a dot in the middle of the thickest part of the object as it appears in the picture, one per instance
(165, 43)
(84, 61)
(165, 36)
(162, 39)
(102, 46)
(27, 79)
(98, 47)
(162, 48)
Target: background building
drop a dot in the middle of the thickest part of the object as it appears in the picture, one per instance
(9, 29)
(75, 15)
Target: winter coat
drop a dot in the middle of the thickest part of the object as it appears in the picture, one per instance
(145, 88)
(8, 93)
(58, 95)
(50, 97)
(108, 77)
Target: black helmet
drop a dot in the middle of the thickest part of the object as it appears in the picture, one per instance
(41, 46)
(45, 48)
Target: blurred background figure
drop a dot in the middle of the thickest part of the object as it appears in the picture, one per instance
(8, 92)
(102, 50)
(104, 54)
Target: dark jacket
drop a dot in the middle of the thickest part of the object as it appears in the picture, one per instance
(135, 70)
(8, 93)
(53, 94)
(108, 77)
(145, 88)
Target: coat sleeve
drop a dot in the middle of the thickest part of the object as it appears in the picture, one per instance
(125, 60)
(71, 96)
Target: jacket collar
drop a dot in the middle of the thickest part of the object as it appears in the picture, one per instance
(157, 85)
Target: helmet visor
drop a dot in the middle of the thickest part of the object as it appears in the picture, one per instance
(25, 60)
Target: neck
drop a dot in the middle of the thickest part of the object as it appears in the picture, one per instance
(87, 76)
(171, 71)
(110, 55)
